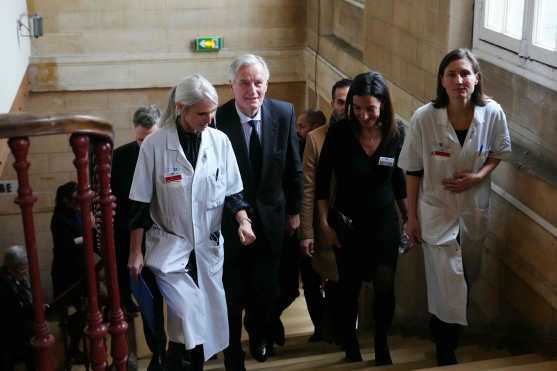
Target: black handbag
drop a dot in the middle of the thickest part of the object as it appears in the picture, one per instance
(342, 224)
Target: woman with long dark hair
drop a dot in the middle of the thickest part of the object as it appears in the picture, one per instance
(362, 152)
(454, 144)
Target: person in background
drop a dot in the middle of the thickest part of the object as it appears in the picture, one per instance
(338, 100)
(263, 135)
(16, 311)
(322, 256)
(362, 152)
(124, 159)
(69, 263)
(454, 144)
(185, 176)
(295, 265)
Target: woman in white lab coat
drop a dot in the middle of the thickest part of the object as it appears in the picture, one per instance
(453, 145)
(186, 173)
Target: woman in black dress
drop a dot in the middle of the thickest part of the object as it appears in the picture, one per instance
(362, 152)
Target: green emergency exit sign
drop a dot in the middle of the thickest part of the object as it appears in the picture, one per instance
(208, 44)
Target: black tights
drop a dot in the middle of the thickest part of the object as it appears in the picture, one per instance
(350, 281)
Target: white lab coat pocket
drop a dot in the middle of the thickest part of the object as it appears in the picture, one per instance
(216, 188)
(165, 252)
(216, 257)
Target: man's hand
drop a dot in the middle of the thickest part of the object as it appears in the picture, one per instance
(245, 232)
(135, 264)
(292, 224)
(306, 247)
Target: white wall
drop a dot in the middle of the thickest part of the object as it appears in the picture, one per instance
(15, 52)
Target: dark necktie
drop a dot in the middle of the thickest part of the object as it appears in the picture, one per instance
(255, 152)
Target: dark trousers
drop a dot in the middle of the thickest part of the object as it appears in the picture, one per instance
(293, 266)
(122, 252)
(446, 337)
(250, 279)
(155, 338)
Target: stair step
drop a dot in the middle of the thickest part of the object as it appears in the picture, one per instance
(492, 363)
(541, 366)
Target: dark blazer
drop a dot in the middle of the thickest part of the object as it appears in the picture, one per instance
(124, 159)
(280, 187)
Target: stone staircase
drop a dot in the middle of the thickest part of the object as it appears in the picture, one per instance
(408, 353)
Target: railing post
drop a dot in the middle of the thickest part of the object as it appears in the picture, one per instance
(43, 339)
(118, 326)
(96, 329)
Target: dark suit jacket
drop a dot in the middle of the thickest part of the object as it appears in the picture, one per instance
(280, 187)
(124, 159)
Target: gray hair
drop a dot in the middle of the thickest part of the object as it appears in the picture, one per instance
(189, 91)
(147, 117)
(247, 60)
(15, 256)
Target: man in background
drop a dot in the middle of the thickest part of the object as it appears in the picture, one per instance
(124, 159)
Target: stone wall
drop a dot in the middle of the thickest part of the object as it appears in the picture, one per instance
(122, 44)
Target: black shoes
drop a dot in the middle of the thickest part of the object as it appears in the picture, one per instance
(352, 350)
(278, 333)
(382, 356)
(259, 349)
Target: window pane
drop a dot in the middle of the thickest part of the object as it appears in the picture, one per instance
(515, 15)
(505, 16)
(495, 14)
(545, 24)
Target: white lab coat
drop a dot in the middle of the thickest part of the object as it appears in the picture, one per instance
(432, 145)
(186, 207)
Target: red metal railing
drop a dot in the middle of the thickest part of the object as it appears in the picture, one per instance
(86, 133)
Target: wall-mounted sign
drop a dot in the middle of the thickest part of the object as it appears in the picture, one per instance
(8, 186)
(207, 44)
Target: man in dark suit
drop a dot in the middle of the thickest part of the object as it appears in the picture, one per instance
(124, 159)
(263, 135)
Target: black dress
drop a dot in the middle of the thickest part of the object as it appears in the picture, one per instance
(366, 190)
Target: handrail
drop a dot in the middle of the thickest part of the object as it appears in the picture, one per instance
(91, 140)
(25, 125)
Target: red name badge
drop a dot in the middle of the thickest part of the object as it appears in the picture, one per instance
(173, 178)
(441, 153)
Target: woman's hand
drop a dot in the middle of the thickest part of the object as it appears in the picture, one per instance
(306, 247)
(135, 264)
(247, 237)
(412, 229)
(462, 182)
(329, 236)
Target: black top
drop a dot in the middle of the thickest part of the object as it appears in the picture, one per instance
(124, 160)
(364, 183)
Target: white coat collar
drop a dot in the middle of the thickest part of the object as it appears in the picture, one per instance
(442, 119)
(173, 144)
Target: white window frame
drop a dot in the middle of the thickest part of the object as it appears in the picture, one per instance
(518, 56)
